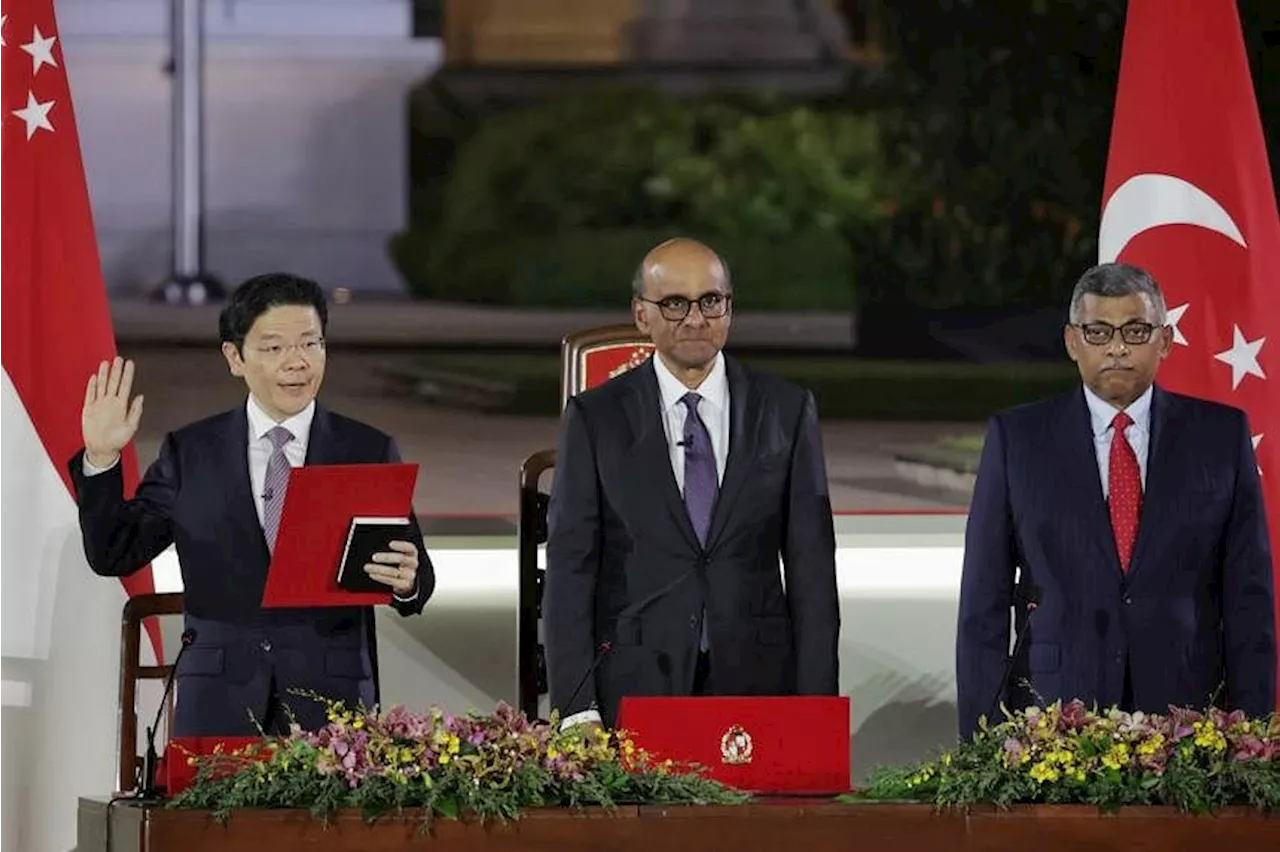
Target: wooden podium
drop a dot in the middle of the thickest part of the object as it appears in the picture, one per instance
(813, 825)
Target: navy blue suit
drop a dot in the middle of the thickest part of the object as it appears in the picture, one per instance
(246, 659)
(1192, 617)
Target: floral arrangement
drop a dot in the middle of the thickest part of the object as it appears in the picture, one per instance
(1069, 754)
(446, 765)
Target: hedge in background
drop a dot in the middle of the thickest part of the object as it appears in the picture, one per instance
(555, 204)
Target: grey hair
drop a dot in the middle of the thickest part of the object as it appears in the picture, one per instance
(1114, 280)
(637, 280)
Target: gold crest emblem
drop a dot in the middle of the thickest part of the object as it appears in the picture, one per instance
(736, 747)
(638, 356)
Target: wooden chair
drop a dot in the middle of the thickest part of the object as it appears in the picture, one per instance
(136, 610)
(587, 358)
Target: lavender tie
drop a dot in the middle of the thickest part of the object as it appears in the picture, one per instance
(700, 480)
(277, 482)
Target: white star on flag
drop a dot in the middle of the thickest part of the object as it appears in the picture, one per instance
(35, 114)
(1243, 357)
(3, 18)
(41, 50)
(1257, 439)
(1175, 317)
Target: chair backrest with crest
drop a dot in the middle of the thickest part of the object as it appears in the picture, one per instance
(587, 358)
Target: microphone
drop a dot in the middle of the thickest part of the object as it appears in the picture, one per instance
(147, 788)
(268, 493)
(629, 611)
(1030, 600)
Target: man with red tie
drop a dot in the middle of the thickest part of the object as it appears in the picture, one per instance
(1122, 526)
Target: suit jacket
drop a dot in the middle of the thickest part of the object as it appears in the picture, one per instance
(197, 496)
(1192, 614)
(624, 565)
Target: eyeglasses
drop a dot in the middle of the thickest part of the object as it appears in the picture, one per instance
(278, 351)
(675, 308)
(1100, 333)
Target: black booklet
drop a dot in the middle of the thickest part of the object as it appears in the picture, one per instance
(366, 537)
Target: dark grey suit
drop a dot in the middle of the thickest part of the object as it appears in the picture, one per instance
(625, 567)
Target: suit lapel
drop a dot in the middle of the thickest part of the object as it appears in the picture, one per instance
(1081, 472)
(1158, 490)
(236, 454)
(321, 448)
(650, 451)
(744, 429)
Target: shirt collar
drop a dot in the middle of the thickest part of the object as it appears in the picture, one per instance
(1101, 412)
(260, 423)
(714, 388)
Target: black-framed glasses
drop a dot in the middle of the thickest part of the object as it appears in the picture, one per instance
(1100, 333)
(712, 305)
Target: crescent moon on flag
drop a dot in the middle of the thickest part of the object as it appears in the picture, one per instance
(1148, 201)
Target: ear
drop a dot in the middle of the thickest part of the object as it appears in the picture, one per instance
(234, 361)
(640, 316)
(1072, 341)
(1165, 344)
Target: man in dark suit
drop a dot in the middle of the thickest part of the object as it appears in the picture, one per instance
(678, 486)
(216, 491)
(1134, 519)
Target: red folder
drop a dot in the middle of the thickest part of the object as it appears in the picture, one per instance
(175, 769)
(769, 745)
(318, 508)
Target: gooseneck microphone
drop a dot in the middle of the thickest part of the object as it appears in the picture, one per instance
(1030, 601)
(603, 649)
(147, 788)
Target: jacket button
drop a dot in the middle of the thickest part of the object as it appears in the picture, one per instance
(266, 645)
(1127, 600)
(693, 621)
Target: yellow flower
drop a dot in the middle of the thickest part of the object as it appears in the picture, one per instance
(444, 758)
(946, 758)
(1117, 756)
(1151, 744)
(1044, 772)
(406, 755)
(358, 723)
(1079, 775)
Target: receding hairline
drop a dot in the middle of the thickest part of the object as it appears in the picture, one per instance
(653, 257)
(1114, 281)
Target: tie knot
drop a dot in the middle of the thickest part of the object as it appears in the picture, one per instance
(1121, 422)
(691, 400)
(279, 436)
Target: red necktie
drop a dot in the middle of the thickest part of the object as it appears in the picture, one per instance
(1124, 486)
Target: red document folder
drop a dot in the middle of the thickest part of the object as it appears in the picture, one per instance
(318, 508)
(769, 745)
(175, 769)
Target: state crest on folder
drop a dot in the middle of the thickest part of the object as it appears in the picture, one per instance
(736, 746)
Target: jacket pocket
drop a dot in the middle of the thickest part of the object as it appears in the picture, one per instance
(204, 661)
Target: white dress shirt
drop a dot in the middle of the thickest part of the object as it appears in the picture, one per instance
(260, 447)
(1101, 413)
(713, 408)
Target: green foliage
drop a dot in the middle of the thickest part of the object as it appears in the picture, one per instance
(1192, 761)
(555, 204)
(996, 134)
(489, 767)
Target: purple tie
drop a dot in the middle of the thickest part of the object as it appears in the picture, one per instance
(700, 481)
(277, 482)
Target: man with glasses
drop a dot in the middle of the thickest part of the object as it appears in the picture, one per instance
(216, 492)
(1133, 520)
(678, 488)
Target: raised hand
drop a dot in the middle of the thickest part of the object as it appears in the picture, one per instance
(109, 419)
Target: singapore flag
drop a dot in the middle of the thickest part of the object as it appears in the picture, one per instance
(1189, 196)
(60, 621)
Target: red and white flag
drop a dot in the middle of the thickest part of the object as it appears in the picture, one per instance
(1189, 197)
(60, 621)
